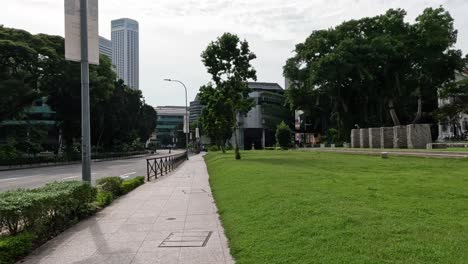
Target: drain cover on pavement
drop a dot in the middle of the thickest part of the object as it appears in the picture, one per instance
(195, 190)
(187, 239)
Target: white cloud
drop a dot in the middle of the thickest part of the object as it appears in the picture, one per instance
(174, 32)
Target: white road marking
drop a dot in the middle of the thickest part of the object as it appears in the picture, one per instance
(68, 178)
(19, 178)
(126, 175)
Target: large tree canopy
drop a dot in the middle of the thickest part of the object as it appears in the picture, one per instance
(374, 71)
(33, 66)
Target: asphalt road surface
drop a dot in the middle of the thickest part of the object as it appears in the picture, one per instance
(36, 177)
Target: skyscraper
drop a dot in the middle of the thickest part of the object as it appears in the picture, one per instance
(105, 47)
(125, 50)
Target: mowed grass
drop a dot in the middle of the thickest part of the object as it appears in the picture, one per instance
(311, 207)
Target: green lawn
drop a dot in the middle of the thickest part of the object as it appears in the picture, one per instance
(312, 207)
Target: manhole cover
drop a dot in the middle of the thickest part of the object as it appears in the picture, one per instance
(187, 239)
(171, 218)
(196, 190)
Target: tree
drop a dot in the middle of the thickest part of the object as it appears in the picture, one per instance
(283, 135)
(228, 62)
(374, 71)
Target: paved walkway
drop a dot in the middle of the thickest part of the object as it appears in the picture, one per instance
(171, 220)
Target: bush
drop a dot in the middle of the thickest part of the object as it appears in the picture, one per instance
(283, 135)
(110, 184)
(103, 198)
(14, 247)
(48, 209)
(213, 148)
(130, 184)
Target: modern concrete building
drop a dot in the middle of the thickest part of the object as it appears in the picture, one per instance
(125, 50)
(195, 109)
(170, 126)
(105, 47)
(257, 128)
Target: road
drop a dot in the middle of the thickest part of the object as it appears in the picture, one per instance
(36, 177)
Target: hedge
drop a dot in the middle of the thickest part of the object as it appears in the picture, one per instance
(13, 246)
(47, 208)
(31, 217)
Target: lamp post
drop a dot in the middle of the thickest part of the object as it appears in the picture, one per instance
(186, 115)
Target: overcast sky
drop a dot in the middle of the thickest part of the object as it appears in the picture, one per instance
(173, 33)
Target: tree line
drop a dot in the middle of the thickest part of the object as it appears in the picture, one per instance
(377, 71)
(33, 67)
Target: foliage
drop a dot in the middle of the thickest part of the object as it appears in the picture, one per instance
(283, 135)
(50, 207)
(13, 247)
(228, 62)
(212, 148)
(374, 71)
(33, 66)
(128, 185)
(341, 208)
(332, 135)
(103, 198)
(110, 184)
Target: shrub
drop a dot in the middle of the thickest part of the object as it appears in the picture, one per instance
(130, 184)
(110, 184)
(283, 135)
(14, 247)
(48, 208)
(213, 148)
(103, 198)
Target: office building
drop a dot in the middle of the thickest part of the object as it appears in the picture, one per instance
(105, 47)
(170, 126)
(125, 50)
(195, 109)
(257, 128)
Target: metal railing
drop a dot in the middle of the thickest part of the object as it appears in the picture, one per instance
(162, 165)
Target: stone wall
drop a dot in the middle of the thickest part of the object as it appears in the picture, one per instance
(374, 137)
(418, 136)
(364, 137)
(400, 139)
(386, 137)
(355, 143)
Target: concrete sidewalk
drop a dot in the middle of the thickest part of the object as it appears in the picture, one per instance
(171, 220)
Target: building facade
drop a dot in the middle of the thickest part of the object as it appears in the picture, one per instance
(125, 50)
(105, 47)
(258, 127)
(195, 109)
(170, 126)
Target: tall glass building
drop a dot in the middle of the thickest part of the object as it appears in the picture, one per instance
(125, 50)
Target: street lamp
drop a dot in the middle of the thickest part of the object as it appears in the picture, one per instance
(186, 114)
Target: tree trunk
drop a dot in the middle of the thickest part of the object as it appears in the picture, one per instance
(393, 113)
(419, 113)
(237, 153)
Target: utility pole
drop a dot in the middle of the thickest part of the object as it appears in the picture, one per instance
(85, 115)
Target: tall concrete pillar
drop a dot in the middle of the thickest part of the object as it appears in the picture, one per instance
(400, 139)
(418, 136)
(386, 137)
(355, 143)
(364, 137)
(374, 137)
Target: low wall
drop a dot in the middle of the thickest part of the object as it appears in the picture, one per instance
(386, 137)
(374, 137)
(418, 136)
(364, 137)
(400, 139)
(355, 143)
